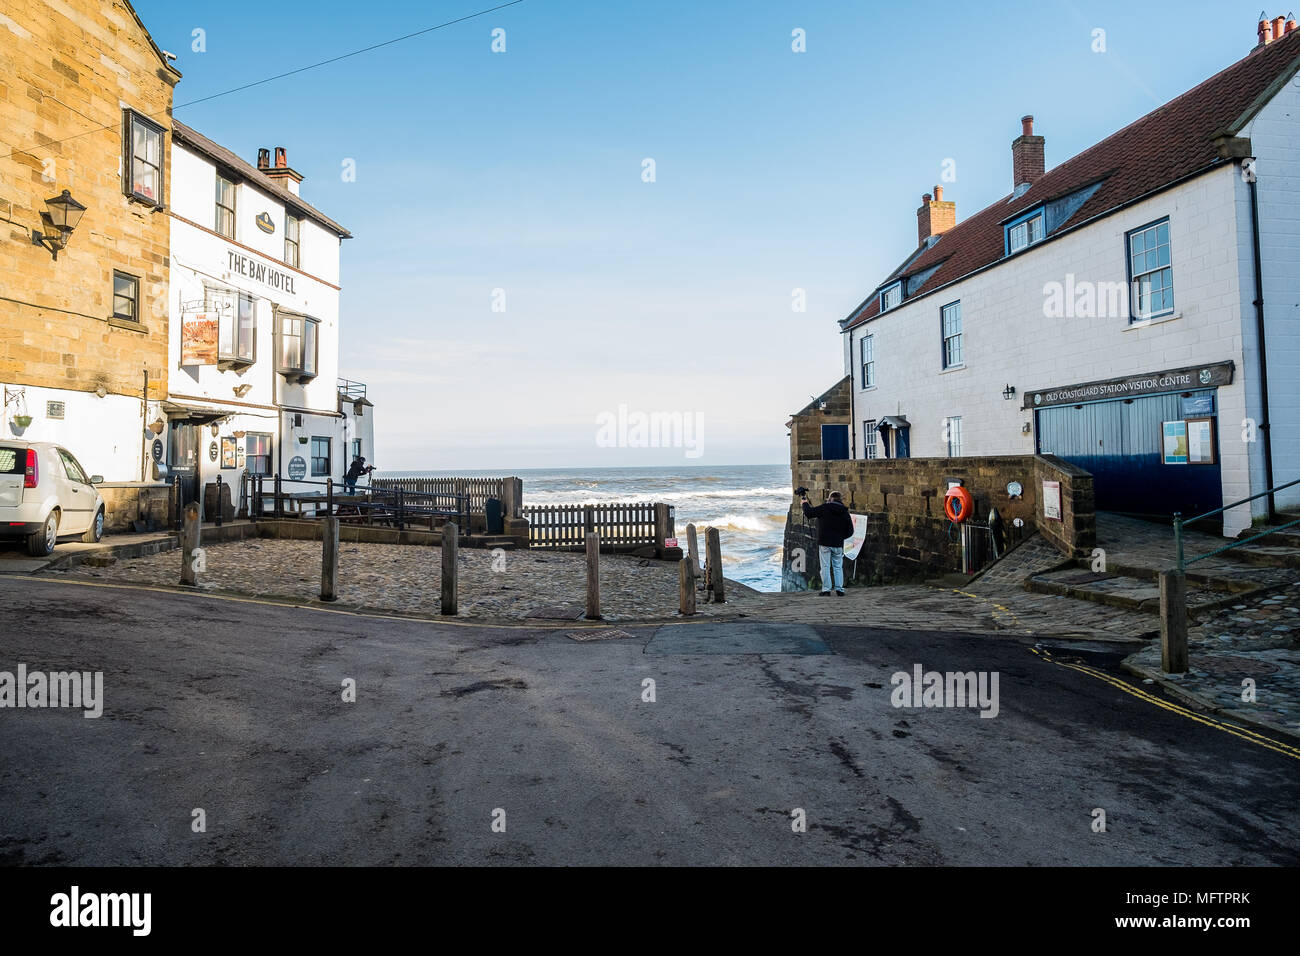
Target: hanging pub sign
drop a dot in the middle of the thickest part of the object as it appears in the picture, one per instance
(199, 338)
(1133, 386)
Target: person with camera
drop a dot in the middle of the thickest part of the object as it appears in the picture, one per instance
(834, 525)
(354, 473)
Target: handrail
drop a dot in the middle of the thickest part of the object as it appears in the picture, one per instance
(398, 502)
(1180, 522)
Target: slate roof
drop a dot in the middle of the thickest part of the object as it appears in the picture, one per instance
(1170, 143)
(247, 171)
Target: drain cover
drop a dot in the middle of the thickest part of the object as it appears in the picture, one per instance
(598, 634)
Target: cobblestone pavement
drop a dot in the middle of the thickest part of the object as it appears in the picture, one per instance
(1257, 640)
(509, 585)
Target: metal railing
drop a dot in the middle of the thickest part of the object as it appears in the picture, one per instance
(369, 505)
(1180, 522)
(351, 390)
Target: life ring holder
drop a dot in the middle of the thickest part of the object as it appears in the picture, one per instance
(958, 504)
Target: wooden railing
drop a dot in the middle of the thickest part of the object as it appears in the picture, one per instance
(476, 490)
(619, 525)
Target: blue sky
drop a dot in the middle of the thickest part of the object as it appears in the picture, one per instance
(774, 171)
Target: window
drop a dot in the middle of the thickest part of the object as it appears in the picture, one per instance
(257, 453)
(238, 329)
(1025, 233)
(298, 342)
(869, 438)
(950, 316)
(72, 468)
(891, 296)
(952, 434)
(1150, 272)
(225, 207)
(291, 240)
(868, 361)
(142, 149)
(126, 297)
(320, 457)
(356, 448)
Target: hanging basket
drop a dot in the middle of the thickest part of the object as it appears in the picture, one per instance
(302, 439)
(22, 421)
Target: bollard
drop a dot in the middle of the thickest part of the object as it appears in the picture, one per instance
(1173, 622)
(329, 497)
(693, 549)
(190, 544)
(329, 564)
(450, 546)
(686, 586)
(279, 505)
(220, 509)
(593, 576)
(713, 546)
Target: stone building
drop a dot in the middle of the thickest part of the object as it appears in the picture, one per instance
(85, 103)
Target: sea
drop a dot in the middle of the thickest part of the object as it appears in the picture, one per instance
(746, 503)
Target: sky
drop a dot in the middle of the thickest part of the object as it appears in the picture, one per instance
(518, 280)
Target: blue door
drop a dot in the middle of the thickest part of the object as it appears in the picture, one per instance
(835, 442)
(1121, 444)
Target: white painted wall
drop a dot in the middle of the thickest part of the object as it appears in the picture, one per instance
(96, 430)
(1007, 338)
(1275, 137)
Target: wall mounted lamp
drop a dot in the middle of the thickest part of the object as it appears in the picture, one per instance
(1009, 392)
(62, 215)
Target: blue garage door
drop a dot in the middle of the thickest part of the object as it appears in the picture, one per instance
(1121, 443)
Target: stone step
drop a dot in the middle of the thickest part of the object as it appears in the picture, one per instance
(488, 541)
(1280, 555)
(1139, 593)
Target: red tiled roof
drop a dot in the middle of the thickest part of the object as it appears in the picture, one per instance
(1168, 144)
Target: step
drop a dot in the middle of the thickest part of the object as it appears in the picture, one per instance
(1267, 555)
(1139, 593)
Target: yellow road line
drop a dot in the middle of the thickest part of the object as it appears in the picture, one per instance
(1244, 733)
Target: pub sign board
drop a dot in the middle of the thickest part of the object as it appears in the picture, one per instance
(1133, 386)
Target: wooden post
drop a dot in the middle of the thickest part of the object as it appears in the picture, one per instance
(593, 576)
(190, 544)
(279, 504)
(686, 586)
(1173, 622)
(693, 551)
(713, 543)
(329, 497)
(329, 564)
(661, 528)
(450, 546)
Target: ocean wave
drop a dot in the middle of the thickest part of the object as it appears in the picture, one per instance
(753, 523)
(727, 493)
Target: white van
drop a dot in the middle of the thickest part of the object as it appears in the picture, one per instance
(45, 495)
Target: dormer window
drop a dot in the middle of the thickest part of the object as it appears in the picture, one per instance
(890, 296)
(1025, 231)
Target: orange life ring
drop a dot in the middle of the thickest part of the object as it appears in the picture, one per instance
(958, 504)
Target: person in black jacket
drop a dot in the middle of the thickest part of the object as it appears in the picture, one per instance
(834, 525)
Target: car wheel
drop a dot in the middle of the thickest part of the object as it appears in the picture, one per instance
(96, 529)
(41, 543)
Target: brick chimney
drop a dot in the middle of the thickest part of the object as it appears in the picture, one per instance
(281, 173)
(1026, 156)
(935, 217)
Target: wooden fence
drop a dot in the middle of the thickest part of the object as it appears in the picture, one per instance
(477, 490)
(619, 525)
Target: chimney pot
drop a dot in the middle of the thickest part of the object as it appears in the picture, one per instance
(1290, 24)
(1279, 26)
(281, 158)
(938, 194)
(263, 159)
(1026, 126)
(926, 197)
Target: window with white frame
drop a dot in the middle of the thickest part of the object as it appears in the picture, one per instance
(257, 453)
(952, 433)
(868, 361)
(891, 296)
(1150, 271)
(291, 229)
(225, 219)
(950, 318)
(1025, 233)
(869, 447)
(142, 151)
(297, 346)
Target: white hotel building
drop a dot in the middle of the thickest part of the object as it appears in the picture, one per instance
(1107, 311)
(254, 384)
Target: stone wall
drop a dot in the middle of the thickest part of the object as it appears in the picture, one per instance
(909, 538)
(128, 501)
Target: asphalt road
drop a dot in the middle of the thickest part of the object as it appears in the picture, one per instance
(236, 708)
